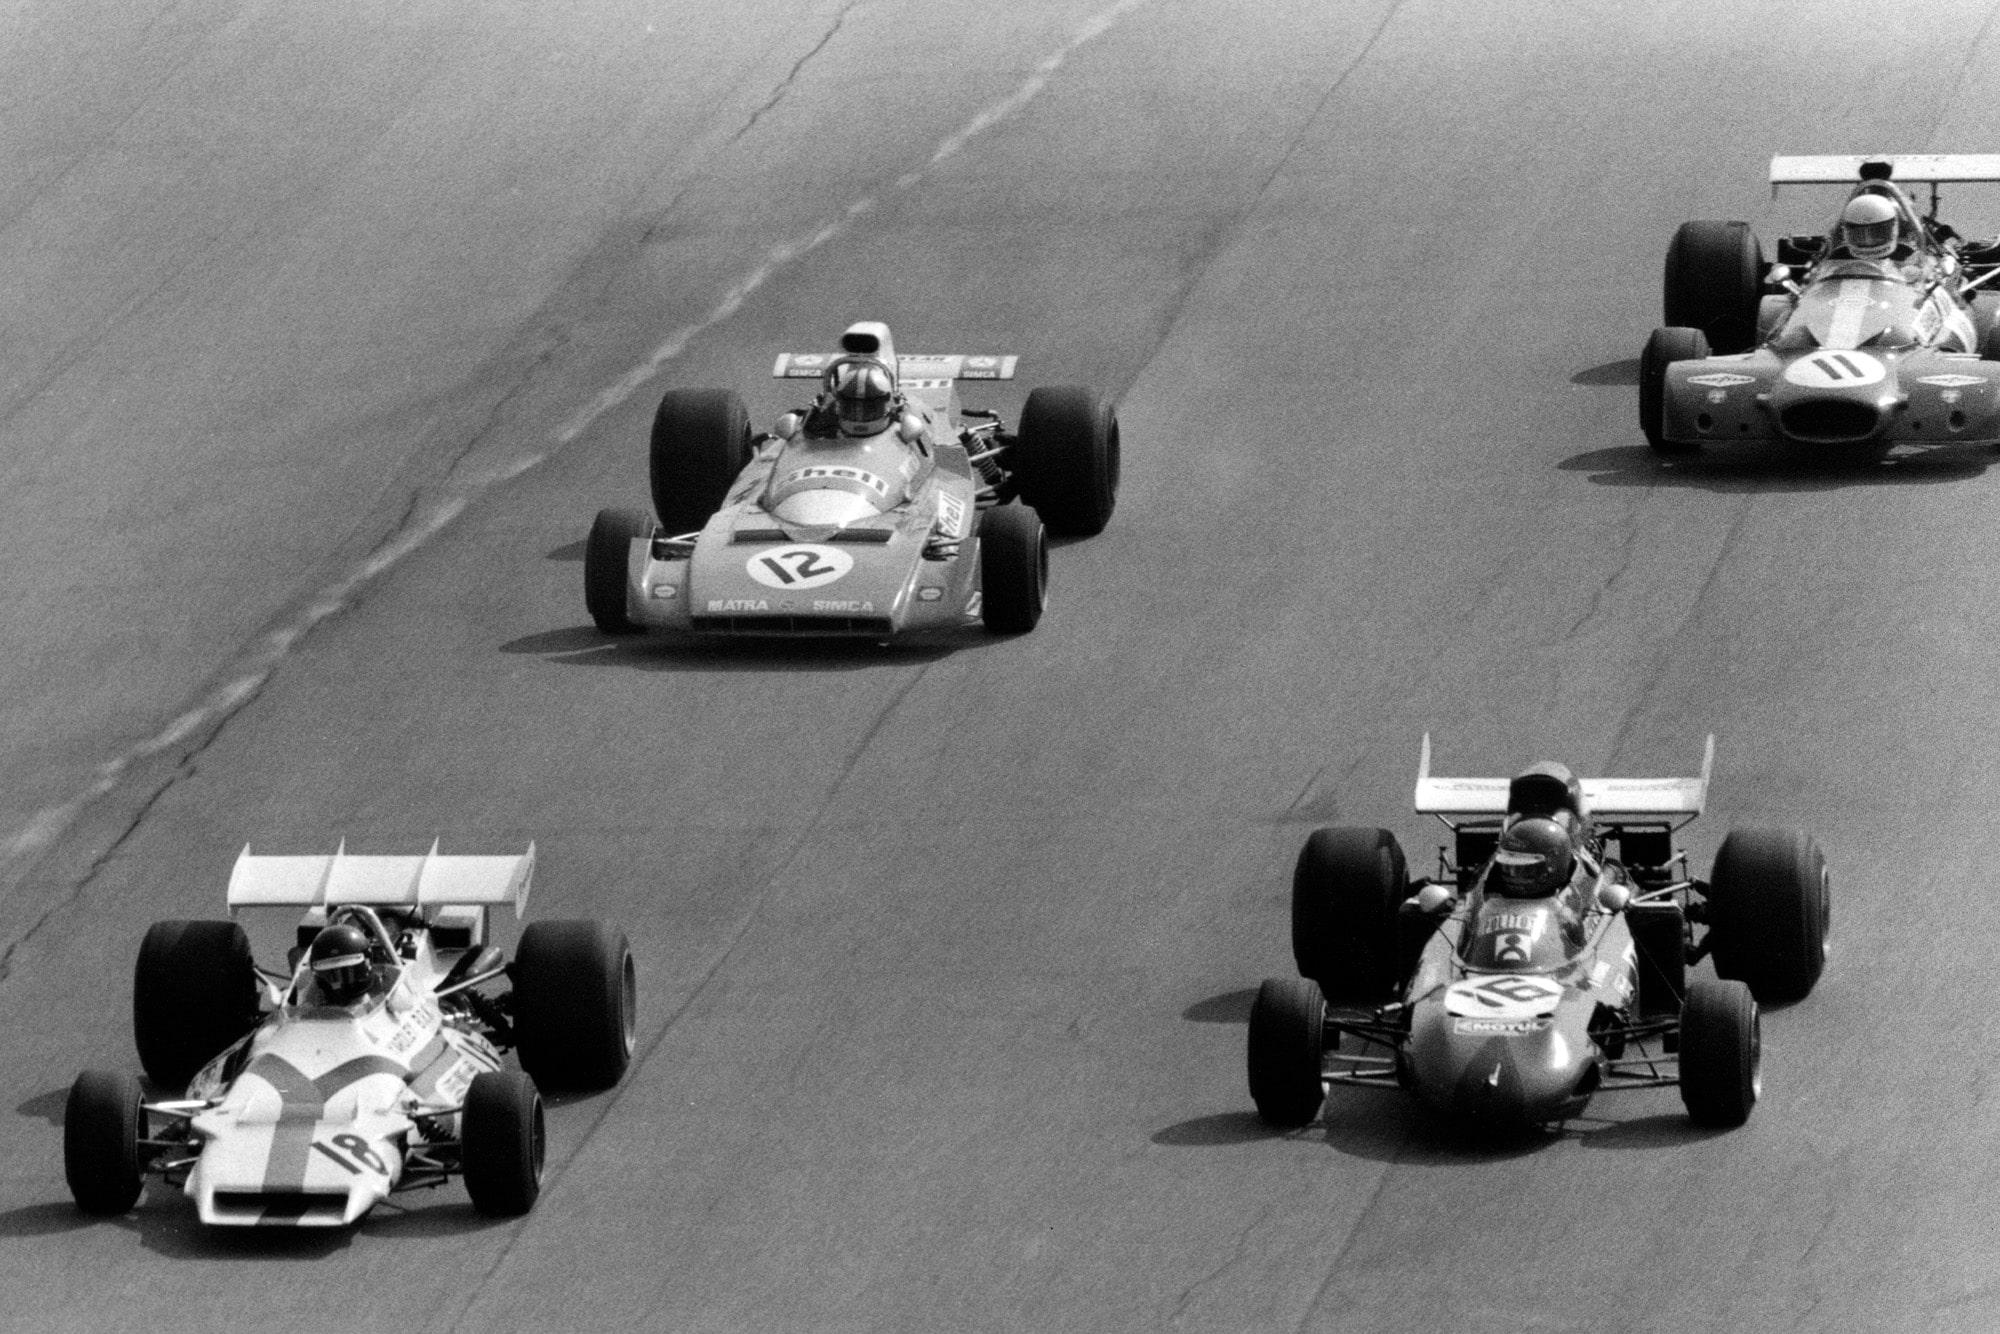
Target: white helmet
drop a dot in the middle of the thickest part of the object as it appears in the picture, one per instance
(864, 395)
(1868, 227)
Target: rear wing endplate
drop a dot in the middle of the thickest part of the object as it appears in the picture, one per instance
(812, 365)
(1609, 799)
(1908, 167)
(430, 880)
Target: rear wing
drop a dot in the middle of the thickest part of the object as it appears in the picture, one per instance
(430, 880)
(1607, 799)
(1934, 168)
(812, 365)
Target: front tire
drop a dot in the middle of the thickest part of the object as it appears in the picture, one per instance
(102, 1121)
(503, 1140)
(1663, 349)
(194, 992)
(1348, 887)
(1013, 569)
(1713, 282)
(1721, 1053)
(1287, 1033)
(701, 441)
(1770, 909)
(1066, 458)
(575, 1004)
(607, 565)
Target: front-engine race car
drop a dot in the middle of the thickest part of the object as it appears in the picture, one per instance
(884, 509)
(373, 1065)
(1867, 335)
(1548, 961)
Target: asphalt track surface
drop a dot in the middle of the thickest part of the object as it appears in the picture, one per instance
(327, 328)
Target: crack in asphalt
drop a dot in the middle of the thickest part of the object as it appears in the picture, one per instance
(1643, 694)
(785, 84)
(706, 976)
(1236, 1254)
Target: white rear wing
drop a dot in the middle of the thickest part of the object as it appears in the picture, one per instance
(812, 365)
(1609, 799)
(1909, 167)
(430, 880)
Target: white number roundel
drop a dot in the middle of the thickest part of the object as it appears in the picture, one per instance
(1835, 370)
(1503, 997)
(803, 565)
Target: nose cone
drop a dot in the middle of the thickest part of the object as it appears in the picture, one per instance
(1836, 397)
(1500, 1079)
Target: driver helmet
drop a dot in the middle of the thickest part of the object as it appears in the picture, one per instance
(864, 396)
(1868, 227)
(339, 959)
(1533, 860)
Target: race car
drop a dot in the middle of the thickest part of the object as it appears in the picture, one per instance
(372, 1065)
(1547, 961)
(885, 509)
(1841, 342)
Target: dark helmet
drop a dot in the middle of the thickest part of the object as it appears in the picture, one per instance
(864, 395)
(339, 959)
(1534, 859)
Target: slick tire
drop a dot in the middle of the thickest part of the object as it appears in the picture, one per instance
(1287, 1030)
(606, 562)
(503, 1139)
(576, 1004)
(1713, 282)
(1347, 888)
(1721, 1053)
(1770, 912)
(701, 441)
(1066, 458)
(194, 992)
(102, 1121)
(1013, 569)
(1663, 349)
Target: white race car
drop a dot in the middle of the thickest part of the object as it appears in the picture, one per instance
(312, 1095)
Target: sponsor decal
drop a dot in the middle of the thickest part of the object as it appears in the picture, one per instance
(738, 604)
(1494, 923)
(1500, 1027)
(1950, 381)
(929, 594)
(1504, 997)
(951, 515)
(1511, 949)
(662, 591)
(1834, 370)
(1721, 380)
(828, 604)
(829, 472)
(806, 565)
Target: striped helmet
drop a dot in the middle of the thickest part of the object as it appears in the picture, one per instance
(864, 395)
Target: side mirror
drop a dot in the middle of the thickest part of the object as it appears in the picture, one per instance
(1431, 901)
(1613, 895)
(788, 425)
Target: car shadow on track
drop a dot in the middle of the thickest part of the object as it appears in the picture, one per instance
(1773, 466)
(585, 646)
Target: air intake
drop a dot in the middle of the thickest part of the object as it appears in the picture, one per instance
(1830, 421)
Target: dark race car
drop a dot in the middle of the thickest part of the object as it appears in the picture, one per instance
(1866, 335)
(885, 509)
(1548, 961)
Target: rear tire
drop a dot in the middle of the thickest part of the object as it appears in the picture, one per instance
(1663, 348)
(1721, 1051)
(1714, 280)
(1013, 569)
(575, 1004)
(606, 566)
(1287, 1032)
(1770, 910)
(1066, 458)
(194, 992)
(1347, 891)
(101, 1131)
(503, 1140)
(701, 442)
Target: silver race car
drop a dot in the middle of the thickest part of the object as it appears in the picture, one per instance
(372, 1066)
(1866, 335)
(886, 508)
(1547, 962)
